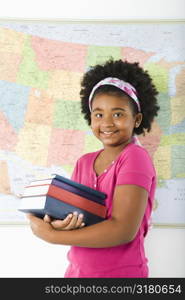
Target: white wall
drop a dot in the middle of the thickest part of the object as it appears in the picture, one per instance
(94, 9)
(24, 255)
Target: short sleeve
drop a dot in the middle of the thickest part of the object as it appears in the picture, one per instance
(75, 173)
(80, 170)
(136, 168)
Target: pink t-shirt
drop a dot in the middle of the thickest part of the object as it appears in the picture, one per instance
(132, 166)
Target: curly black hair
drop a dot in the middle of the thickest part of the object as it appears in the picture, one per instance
(129, 72)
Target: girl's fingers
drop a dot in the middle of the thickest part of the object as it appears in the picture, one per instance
(79, 221)
(47, 219)
(61, 224)
(76, 222)
(73, 221)
(58, 224)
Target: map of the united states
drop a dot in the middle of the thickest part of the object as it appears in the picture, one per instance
(41, 127)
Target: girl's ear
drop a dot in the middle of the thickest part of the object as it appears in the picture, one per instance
(138, 120)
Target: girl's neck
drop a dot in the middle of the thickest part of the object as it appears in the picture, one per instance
(112, 152)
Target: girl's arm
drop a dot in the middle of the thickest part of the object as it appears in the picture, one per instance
(129, 206)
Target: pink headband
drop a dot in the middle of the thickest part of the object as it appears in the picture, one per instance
(124, 86)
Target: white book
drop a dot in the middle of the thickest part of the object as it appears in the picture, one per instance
(33, 203)
(41, 181)
(32, 190)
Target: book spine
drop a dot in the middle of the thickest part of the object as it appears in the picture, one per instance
(80, 186)
(74, 190)
(78, 201)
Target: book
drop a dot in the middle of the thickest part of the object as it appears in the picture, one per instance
(58, 198)
(41, 205)
(41, 186)
(73, 183)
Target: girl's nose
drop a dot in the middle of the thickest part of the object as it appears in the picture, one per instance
(107, 121)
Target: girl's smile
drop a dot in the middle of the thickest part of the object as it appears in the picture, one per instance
(108, 133)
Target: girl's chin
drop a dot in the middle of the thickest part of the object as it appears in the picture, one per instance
(113, 143)
(110, 143)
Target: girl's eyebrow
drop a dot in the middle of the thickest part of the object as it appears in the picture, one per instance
(113, 109)
(118, 108)
(97, 109)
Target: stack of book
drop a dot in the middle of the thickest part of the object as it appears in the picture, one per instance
(59, 196)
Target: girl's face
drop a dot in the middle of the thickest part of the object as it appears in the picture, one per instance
(112, 120)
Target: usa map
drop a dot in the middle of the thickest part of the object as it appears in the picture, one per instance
(41, 127)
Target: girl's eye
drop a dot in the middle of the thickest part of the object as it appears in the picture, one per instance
(98, 115)
(117, 115)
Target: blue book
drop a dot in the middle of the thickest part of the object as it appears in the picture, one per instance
(55, 208)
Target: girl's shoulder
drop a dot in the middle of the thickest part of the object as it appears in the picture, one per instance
(137, 149)
(136, 155)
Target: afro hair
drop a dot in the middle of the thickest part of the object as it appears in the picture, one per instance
(129, 72)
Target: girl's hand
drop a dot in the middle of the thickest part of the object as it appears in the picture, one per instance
(40, 228)
(72, 221)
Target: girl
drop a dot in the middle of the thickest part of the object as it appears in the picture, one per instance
(118, 100)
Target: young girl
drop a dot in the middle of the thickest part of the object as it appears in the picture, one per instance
(119, 101)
